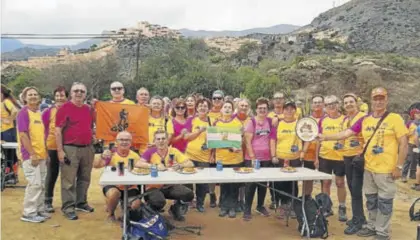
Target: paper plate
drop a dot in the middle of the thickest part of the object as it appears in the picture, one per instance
(307, 129)
(187, 171)
(288, 169)
(141, 171)
(243, 170)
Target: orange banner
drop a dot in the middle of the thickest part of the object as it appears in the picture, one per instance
(112, 118)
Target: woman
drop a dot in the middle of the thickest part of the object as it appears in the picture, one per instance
(53, 166)
(190, 101)
(257, 138)
(287, 150)
(177, 126)
(230, 157)
(34, 155)
(157, 120)
(197, 149)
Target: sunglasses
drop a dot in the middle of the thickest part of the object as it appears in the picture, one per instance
(79, 91)
(217, 98)
(124, 140)
(116, 89)
(180, 108)
(331, 104)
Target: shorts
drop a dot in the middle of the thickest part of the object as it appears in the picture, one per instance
(132, 193)
(332, 166)
(309, 164)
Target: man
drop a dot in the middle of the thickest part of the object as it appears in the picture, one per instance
(278, 104)
(159, 155)
(384, 157)
(48, 119)
(353, 147)
(143, 97)
(117, 92)
(34, 155)
(409, 168)
(112, 193)
(73, 133)
(329, 157)
(416, 186)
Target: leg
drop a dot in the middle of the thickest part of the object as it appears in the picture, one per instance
(179, 192)
(249, 196)
(387, 189)
(52, 175)
(83, 175)
(348, 163)
(325, 166)
(33, 189)
(308, 184)
(371, 191)
(201, 189)
(407, 164)
(113, 196)
(43, 173)
(357, 194)
(68, 180)
(156, 199)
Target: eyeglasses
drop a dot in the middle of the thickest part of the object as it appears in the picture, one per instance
(124, 140)
(117, 89)
(217, 98)
(261, 108)
(317, 102)
(79, 91)
(278, 98)
(331, 104)
(180, 108)
(161, 139)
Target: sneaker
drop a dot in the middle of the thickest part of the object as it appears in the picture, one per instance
(213, 200)
(85, 208)
(33, 219)
(223, 213)
(174, 211)
(416, 187)
(247, 217)
(71, 216)
(232, 213)
(49, 208)
(240, 207)
(366, 232)
(353, 229)
(44, 215)
(262, 211)
(381, 237)
(200, 208)
(350, 222)
(404, 179)
(272, 206)
(342, 216)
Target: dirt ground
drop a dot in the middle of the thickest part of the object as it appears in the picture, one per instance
(93, 226)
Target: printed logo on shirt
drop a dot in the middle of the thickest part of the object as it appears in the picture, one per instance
(287, 131)
(262, 132)
(37, 122)
(333, 128)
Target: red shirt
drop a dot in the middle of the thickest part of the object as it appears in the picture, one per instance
(76, 123)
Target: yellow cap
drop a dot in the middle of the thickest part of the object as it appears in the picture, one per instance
(379, 91)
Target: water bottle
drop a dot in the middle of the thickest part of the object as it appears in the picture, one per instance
(219, 165)
(154, 171)
(257, 164)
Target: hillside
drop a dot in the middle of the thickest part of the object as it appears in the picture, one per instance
(25, 52)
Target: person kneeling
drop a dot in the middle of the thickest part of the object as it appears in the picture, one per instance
(157, 194)
(112, 193)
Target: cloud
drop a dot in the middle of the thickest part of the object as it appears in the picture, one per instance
(94, 16)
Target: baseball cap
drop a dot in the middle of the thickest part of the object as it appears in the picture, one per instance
(218, 92)
(352, 95)
(290, 104)
(278, 95)
(379, 91)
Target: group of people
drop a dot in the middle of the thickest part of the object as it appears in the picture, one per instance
(366, 149)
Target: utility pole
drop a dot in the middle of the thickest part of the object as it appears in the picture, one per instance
(138, 56)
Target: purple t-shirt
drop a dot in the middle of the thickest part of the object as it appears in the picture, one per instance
(181, 145)
(261, 139)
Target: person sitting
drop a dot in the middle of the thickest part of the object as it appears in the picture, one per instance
(159, 155)
(114, 193)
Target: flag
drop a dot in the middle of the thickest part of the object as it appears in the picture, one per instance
(224, 137)
(112, 118)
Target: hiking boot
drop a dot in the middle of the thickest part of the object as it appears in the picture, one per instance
(342, 216)
(232, 213)
(223, 213)
(33, 219)
(44, 215)
(350, 222)
(416, 187)
(49, 208)
(247, 217)
(272, 206)
(213, 200)
(381, 237)
(71, 216)
(353, 228)
(262, 211)
(175, 212)
(85, 208)
(366, 232)
(200, 208)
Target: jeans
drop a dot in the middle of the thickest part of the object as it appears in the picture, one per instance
(354, 176)
(201, 189)
(288, 187)
(250, 188)
(53, 168)
(229, 192)
(409, 167)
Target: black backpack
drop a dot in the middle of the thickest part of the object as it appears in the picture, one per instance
(318, 224)
(414, 216)
(325, 201)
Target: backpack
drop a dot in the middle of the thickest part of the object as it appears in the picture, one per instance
(145, 223)
(318, 224)
(325, 201)
(414, 216)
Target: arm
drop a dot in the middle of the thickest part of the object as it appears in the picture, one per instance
(59, 142)
(248, 140)
(273, 151)
(192, 136)
(402, 150)
(179, 137)
(339, 136)
(187, 164)
(304, 149)
(142, 163)
(98, 162)
(26, 142)
(416, 139)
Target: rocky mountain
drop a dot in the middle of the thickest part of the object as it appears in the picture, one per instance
(24, 53)
(277, 29)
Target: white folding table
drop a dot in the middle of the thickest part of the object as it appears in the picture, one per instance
(209, 175)
(9, 145)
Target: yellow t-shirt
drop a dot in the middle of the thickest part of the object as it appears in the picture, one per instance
(364, 108)
(286, 139)
(412, 133)
(272, 114)
(387, 136)
(154, 125)
(125, 101)
(6, 115)
(152, 156)
(328, 126)
(214, 116)
(194, 151)
(117, 158)
(353, 145)
(51, 143)
(31, 123)
(227, 157)
(299, 113)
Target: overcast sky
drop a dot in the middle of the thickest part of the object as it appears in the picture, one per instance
(93, 16)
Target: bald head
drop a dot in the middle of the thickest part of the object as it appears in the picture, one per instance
(124, 140)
